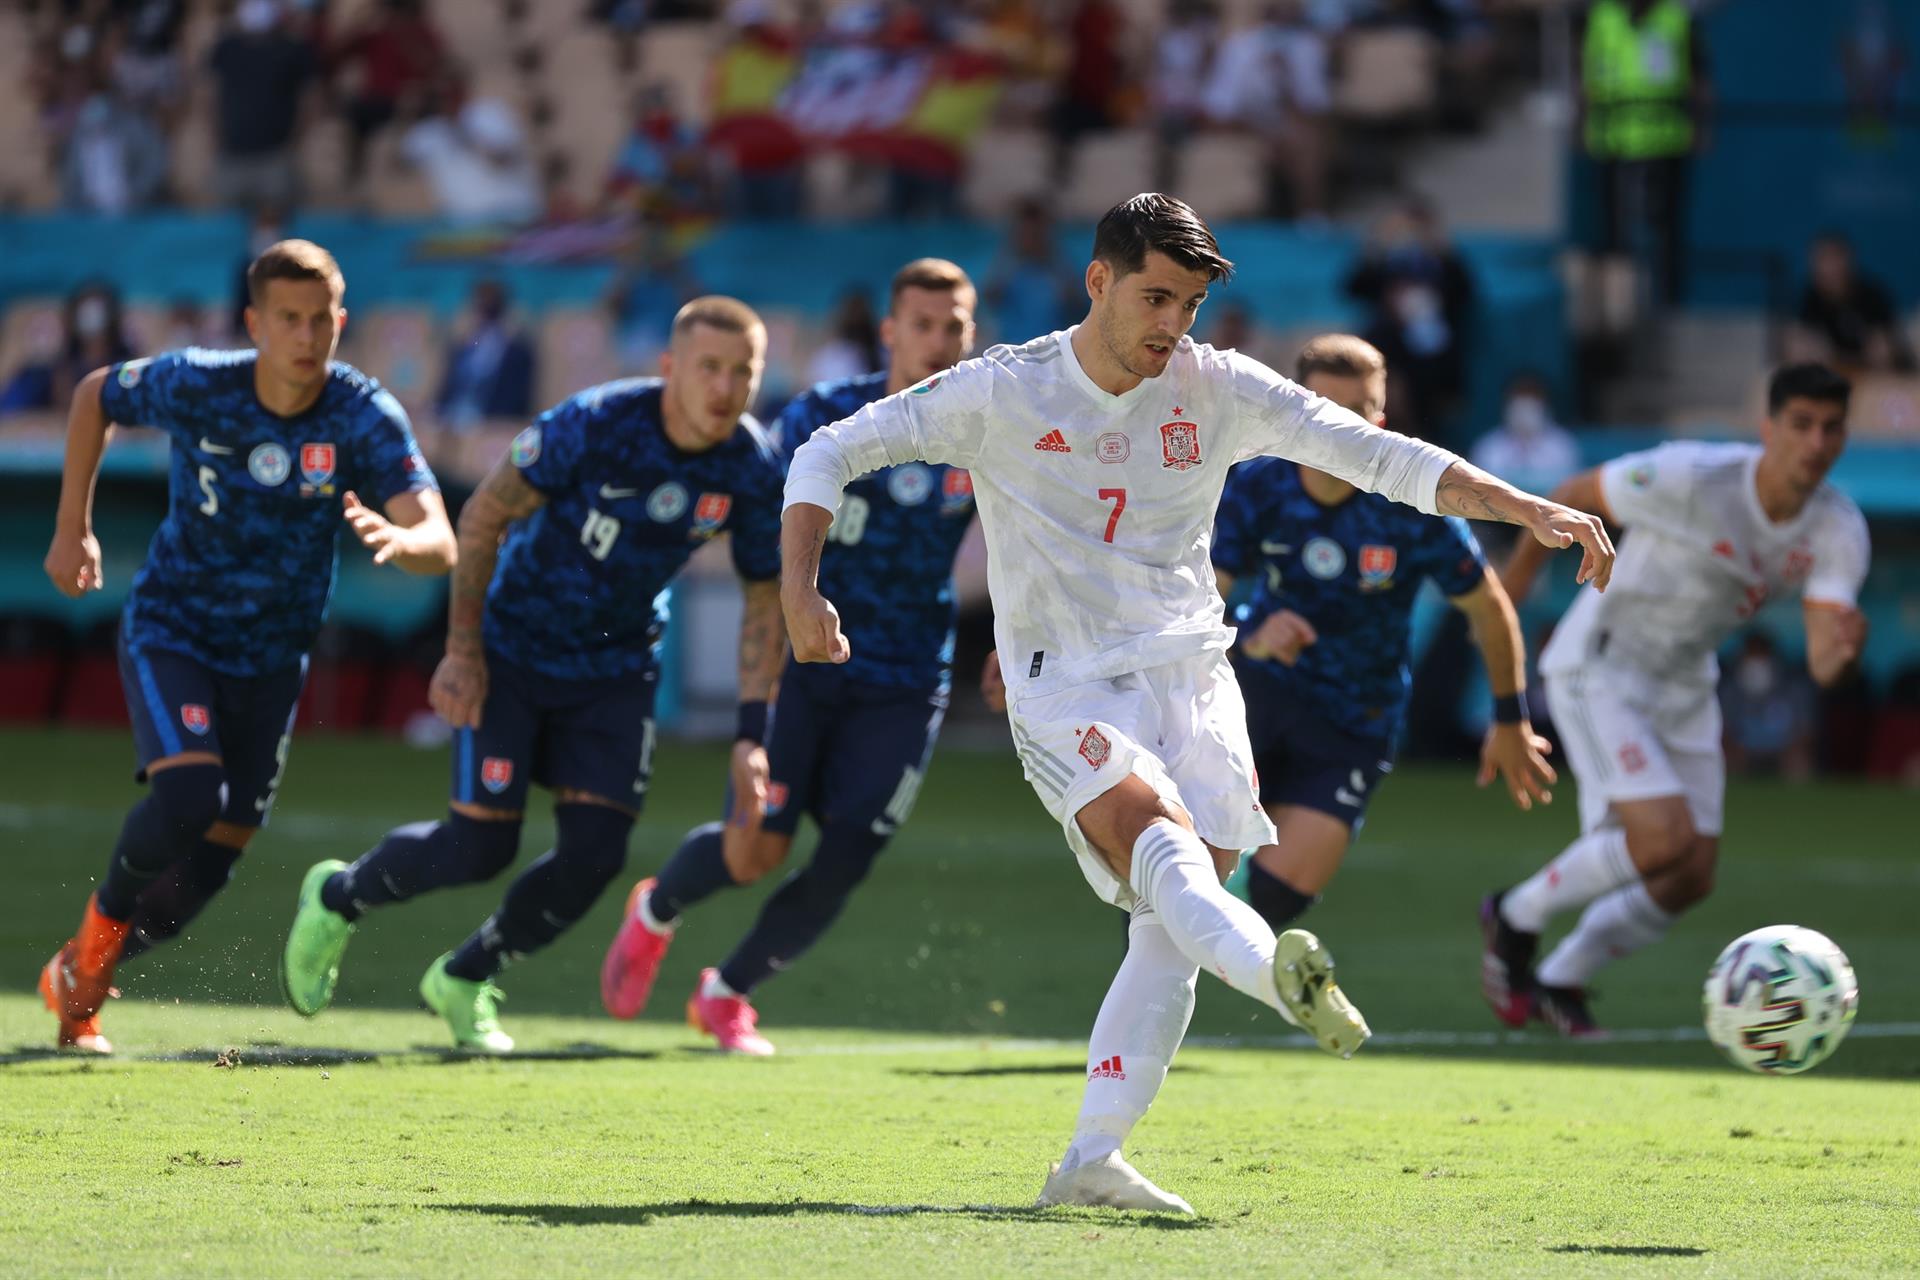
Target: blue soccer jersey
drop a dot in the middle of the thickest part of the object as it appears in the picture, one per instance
(888, 562)
(239, 572)
(1353, 570)
(577, 594)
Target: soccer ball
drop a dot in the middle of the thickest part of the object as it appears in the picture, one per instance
(1780, 999)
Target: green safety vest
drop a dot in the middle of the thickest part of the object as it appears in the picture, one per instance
(1639, 81)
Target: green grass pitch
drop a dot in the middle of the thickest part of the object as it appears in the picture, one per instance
(932, 1054)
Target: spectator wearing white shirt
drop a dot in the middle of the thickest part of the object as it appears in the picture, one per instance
(1273, 79)
(1183, 57)
(1528, 450)
(479, 165)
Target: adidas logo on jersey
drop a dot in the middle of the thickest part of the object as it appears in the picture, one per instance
(1053, 442)
(1110, 1069)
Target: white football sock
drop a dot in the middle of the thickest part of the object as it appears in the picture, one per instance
(1173, 873)
(643, 910)
(1592, 865)
(1141, 1023)
(1614, 926)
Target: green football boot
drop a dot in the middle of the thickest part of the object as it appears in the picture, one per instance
(310, 965)
(472, 1009)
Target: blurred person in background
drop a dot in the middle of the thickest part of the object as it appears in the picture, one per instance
(1768, 706)
(478, 163)
(395, 54)
(1528, 450)
(1030, 290)
(146, 56)
(854, 349)
(489, 366)
(263, 73)
(653, 282)
(1183, 55)
(1847, 317)
(1421, 296)
(115, 161)
(1272, 79)
(1090, 90)
(92, 334)
(660, 169)
(1644, 98)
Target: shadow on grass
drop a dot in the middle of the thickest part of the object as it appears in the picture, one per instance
(1632, 1250)
(640, 1215)
(281, 1055)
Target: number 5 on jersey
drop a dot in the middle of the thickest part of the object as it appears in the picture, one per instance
(1118, 497)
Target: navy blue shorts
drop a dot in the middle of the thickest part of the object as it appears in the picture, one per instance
(179, 704)
(589, 735)
(1302, 758)
(843, 751)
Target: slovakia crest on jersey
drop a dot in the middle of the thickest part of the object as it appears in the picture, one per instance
(776, 798)
(1377, 564)
(316, 463)
(195, 717)
(1179, 445)
(496, 773)
(710, 513)
(956, 490)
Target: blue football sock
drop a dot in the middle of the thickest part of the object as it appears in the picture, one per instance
(696, 871)
(804, 906)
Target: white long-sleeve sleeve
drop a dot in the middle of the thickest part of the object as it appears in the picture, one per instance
(938, 420)
(1282, 418)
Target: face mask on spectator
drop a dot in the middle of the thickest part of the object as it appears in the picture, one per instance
(1526, 415)
(90, 317)
(257, 16)
(77, 43)
(1756, 677)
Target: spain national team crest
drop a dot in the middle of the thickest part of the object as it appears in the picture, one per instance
(956, 490)
(1095, 747)
(496, 774)
(1799, 564)
(1180, 445)
(196, 718)
(1377, 564)
(710, 513)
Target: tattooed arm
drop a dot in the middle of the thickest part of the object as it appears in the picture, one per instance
(763, 640)
(459, 686)
(1466, 490)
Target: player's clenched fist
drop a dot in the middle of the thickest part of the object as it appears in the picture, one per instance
(813, 627)
(1557, 526)
(73, 563)
(459, 690)
(1281, 637)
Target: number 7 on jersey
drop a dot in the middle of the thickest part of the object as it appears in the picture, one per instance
(1118, 497)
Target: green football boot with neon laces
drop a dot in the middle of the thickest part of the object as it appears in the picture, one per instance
(310, 965)
(472, 1009)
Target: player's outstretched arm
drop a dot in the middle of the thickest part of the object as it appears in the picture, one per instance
(1529, 555)
(73, 558)
(1512, 752)
(813, 624)
(413, 535)
(1466, 490)
(459, 687)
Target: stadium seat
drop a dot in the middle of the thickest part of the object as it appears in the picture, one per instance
(29, 331)
(1886, 407)
(680, 56)
(395, 188)
(322, 157)
(1006, 167)
(401, 347)
(575, 350)
(1106, 168)
(1231, 169)
(1387, 76)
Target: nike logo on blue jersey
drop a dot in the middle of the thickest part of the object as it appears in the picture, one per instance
(609, 492)
(1275, 548)
(208, 446)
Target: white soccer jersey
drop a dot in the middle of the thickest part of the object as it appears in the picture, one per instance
(1700, 557)
(1098, 509)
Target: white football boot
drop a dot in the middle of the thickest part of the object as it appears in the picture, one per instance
(1313, 1000)
(1108, 1182)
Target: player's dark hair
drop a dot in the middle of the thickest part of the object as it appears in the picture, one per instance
(1339, 355)
(1809, 381)
(294, 260)
(716, 311)
(930, 273)
(1156, 223)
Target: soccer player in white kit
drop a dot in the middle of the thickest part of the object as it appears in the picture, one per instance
(1098, 455)
(1713, 532)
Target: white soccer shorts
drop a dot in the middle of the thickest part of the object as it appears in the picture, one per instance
(1632, 738)
(1181, 726)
